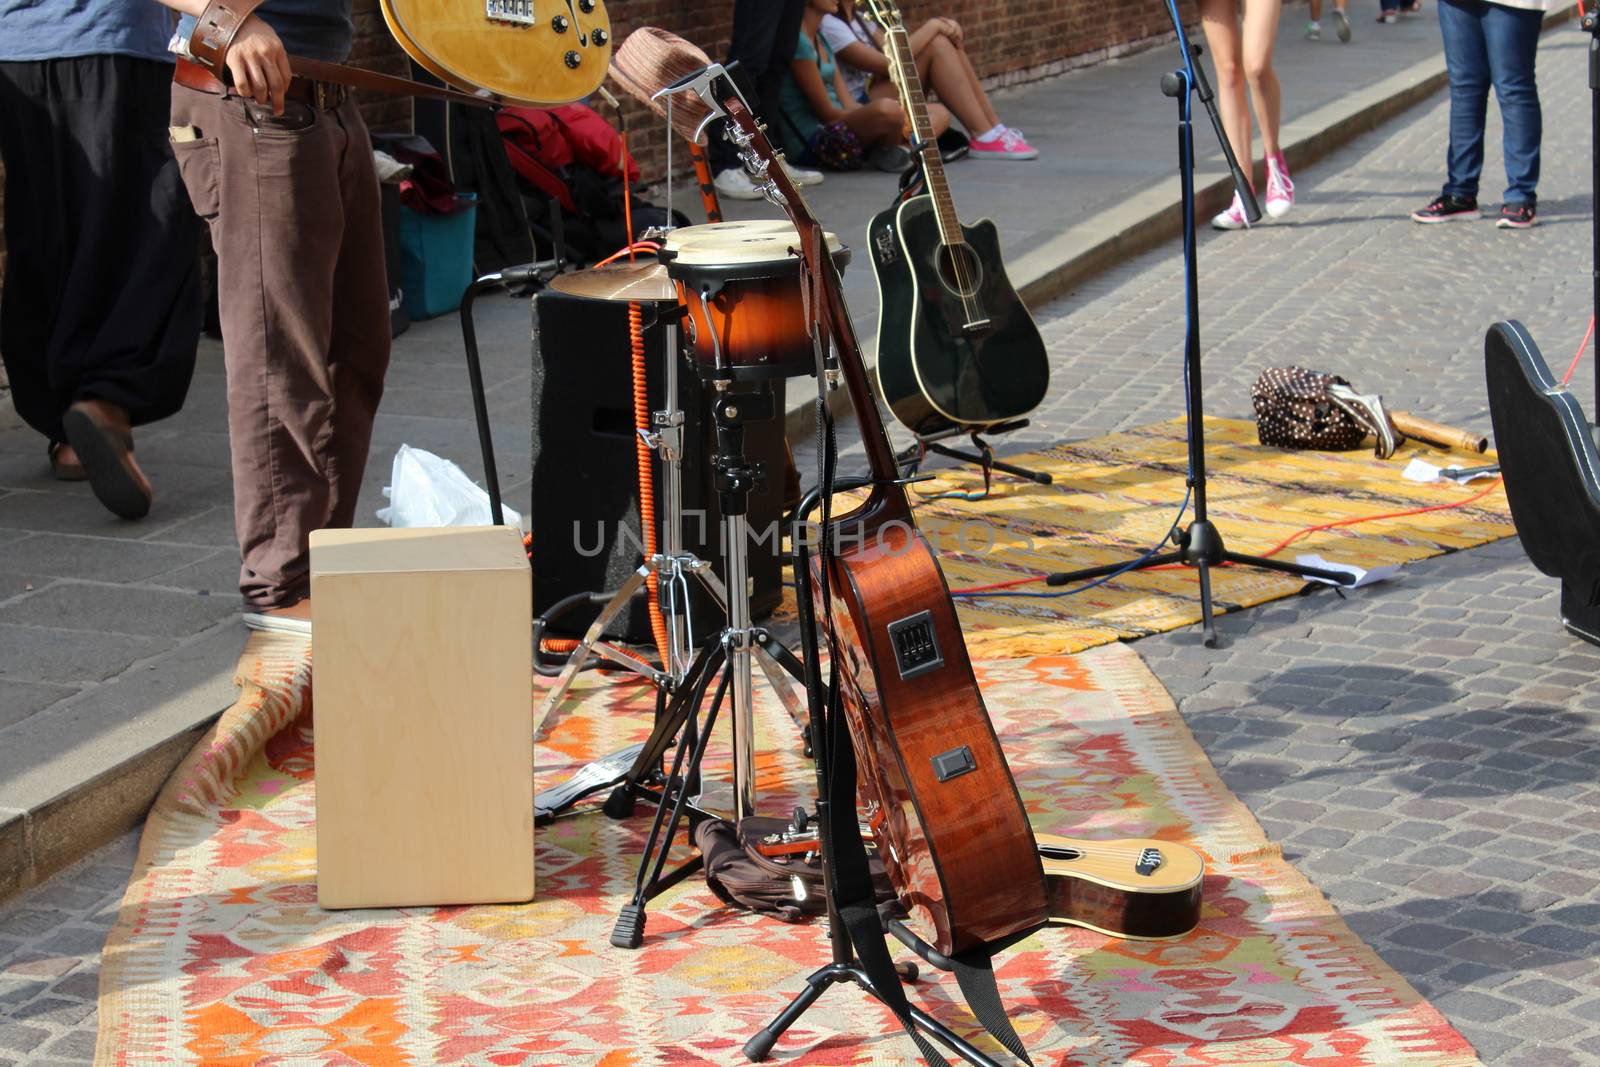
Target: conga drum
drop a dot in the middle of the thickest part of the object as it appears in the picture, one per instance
(740, 282)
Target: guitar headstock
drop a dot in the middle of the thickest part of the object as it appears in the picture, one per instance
(885, 14)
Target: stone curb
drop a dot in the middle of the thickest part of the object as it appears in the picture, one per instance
(94, 775)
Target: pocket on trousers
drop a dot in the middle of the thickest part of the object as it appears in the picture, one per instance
(200, 163)
(297, 117)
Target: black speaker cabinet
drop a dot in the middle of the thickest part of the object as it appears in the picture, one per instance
(585, 522)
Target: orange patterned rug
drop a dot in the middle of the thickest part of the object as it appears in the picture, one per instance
(220, 955)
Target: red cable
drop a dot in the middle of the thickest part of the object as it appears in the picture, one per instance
(1567, 377)
(646, 460)
(643, 246)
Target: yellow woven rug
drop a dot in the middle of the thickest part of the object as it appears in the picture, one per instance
(1113, 497)
(220, 955)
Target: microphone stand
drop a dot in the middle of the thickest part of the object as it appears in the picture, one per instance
(1200, 545)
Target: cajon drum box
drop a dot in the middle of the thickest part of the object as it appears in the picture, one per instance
(422, 694)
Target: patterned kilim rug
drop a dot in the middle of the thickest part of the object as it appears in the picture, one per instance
(220, 955)
(1113, 497)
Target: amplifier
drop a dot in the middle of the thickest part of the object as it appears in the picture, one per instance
(585, 521)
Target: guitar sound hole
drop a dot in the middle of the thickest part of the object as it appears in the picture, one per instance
(960, 270)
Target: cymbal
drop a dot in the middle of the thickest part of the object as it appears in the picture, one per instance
(644, 281)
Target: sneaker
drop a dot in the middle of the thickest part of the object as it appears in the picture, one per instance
(802, 175)
(1517, 216)
(1280, 190)
(1341, 26)
(1233, 218)
(1009, 145)
(1389, 17)
(1313, 31)
(292, 619)
(736, 184)
(1448, 209)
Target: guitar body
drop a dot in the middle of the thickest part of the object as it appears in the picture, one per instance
(511, 49)
(1113, 887)
(944, 812)
(937, 371)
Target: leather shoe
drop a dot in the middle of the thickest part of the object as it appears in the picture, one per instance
(102, 436)
(64, 463)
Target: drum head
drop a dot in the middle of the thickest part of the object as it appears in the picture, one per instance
(726, 251)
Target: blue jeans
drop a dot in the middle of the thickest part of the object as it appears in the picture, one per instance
(1487, 44)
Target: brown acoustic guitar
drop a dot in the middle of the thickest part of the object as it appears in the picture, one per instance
(535, 52)
(1139, 889)
(939, 796)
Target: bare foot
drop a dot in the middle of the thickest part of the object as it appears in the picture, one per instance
(64, 463)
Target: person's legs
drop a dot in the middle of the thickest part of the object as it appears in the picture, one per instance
(358, 354)
(942, 67)
(878, 122)
(272, 191)
(1466, 58)
(1219, 19)
(1258, 35)
(1511, 40)
(762, 43)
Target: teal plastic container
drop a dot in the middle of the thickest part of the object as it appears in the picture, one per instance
(436, 254)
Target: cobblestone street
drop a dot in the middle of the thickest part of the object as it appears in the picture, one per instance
(1427, 750)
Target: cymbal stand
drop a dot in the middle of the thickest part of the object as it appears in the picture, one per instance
(729, 658)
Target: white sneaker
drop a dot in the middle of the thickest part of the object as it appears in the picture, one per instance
(1341, 26)
(1233, 218)
(1280, 190)
(735, 183)
(1313, 31)
(802, 175)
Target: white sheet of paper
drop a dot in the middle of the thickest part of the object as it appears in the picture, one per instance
(1420, 470)
(1363, 576)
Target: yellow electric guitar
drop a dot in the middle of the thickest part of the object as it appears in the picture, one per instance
(536, 52)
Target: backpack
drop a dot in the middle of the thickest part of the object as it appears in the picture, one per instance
(571, 157)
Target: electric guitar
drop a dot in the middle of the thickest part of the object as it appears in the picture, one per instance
(956, 346)
(534, 52)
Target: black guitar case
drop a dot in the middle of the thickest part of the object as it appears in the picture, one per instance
(1552, 471)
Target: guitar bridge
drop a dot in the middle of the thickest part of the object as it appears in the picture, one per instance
(1150, 860)
(974, 327)
(518, 12)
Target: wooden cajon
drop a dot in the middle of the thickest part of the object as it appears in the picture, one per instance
(422, 695)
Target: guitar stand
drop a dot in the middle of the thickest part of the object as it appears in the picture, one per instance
(729, 658)
(843, 967)
(1201, 545)
(983, 457)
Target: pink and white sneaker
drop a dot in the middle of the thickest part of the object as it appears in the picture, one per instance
(1010, 144)
(1233, 218)
(1280, 190)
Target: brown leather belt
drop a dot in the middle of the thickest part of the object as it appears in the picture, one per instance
(323, 96)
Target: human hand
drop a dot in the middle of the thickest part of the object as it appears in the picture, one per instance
(952, 29)
(259, 64)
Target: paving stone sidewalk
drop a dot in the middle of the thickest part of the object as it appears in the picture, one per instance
(1427, 750)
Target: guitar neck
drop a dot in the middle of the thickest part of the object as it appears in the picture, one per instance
(916, 105)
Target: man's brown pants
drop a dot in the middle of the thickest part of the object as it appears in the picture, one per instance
(292, 202)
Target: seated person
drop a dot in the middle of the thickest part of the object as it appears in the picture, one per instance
(942, 67)
(823, 125)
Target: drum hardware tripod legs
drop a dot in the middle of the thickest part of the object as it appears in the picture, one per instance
(1200, 545)
(730, 658)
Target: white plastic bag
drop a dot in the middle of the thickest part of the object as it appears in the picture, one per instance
(426, 490)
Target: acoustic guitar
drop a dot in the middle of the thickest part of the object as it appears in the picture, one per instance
(957, 348)
(534, 52)
(1138, 889)
(939, 797)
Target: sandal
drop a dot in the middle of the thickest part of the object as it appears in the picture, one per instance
(65, 469)
(100, 434)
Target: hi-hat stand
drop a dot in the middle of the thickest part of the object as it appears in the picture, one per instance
(1200, 545)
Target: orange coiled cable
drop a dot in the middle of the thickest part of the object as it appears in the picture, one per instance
(647, 473)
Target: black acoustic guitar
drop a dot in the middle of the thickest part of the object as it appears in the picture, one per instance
(956, 347)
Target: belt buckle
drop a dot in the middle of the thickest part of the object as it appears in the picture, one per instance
(319, 94)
